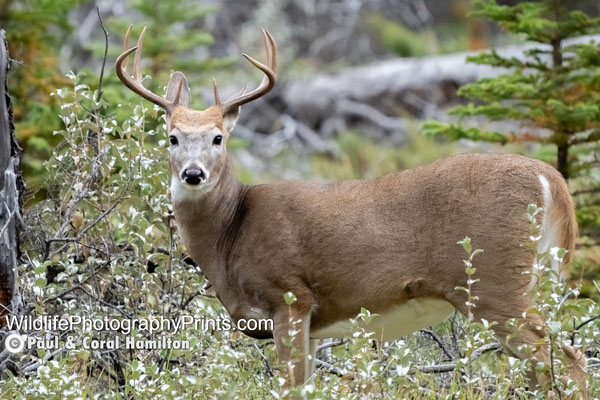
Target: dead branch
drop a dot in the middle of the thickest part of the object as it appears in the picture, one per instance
(265, 360)
(331, 344)
(439, 342)
(81, 234)
(33, 366)
(581, 325)
(99, 95)
(330, 368)
(436, 369)
(78, 286)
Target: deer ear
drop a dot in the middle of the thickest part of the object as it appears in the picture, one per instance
(230, 118)
(178, 78)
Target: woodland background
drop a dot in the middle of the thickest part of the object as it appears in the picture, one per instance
(364, 88)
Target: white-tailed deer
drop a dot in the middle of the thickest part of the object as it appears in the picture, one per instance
(388, 245)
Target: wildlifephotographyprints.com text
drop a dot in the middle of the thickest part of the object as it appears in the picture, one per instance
(48, 332)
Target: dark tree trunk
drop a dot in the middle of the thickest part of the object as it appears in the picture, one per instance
(11, 189)
(562, 155)
(562, 163)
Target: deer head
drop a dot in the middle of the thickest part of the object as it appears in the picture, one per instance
(198, 138)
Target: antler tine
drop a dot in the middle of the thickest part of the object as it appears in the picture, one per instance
(267, 82)
(135, 83)
(243, 90)
(216, 91)
(267, 47)
(126, 46)
(269, 43)
(137, 59)
(271, 50)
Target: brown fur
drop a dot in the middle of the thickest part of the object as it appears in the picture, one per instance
(564, 213)
(191, 119)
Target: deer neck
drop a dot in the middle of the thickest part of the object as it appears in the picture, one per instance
(204, 220)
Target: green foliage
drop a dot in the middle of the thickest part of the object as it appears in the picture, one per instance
(397, 38)
(34, 31)
(450, 34)
(558, 304)
(455, 132)
(542, 22)
(362, 158)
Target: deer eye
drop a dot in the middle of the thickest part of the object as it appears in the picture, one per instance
(173, 140)
(217, 140)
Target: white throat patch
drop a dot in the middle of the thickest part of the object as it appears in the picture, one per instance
(181, 192)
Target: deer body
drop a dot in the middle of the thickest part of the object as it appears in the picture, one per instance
(319, 240)
(388, 245)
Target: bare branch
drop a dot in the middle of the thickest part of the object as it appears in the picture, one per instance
(439, 341)
(33, 366)
(331, 344)
(330, 368)
(99, 96)
(581, 325)
(436, 369)
(84, 230)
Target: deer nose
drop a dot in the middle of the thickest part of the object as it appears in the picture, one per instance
(193, 176)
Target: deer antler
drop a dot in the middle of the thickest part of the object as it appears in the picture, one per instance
(265, 86)
(135, 84)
